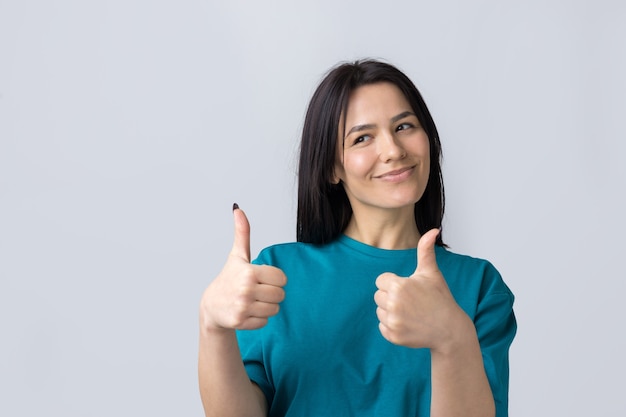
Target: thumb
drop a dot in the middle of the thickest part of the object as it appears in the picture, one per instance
(426, 258)
(241, 243)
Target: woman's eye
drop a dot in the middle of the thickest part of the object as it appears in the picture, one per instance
(361, 139)
(404, 126)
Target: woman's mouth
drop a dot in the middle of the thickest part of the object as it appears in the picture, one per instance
(397, 175)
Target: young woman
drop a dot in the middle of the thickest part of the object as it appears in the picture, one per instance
(378, 318)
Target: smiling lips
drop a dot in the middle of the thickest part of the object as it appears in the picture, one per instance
(397, 175)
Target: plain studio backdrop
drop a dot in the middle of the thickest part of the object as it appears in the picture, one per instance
(128, 129)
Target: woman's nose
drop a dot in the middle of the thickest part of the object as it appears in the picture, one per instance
(390, 149)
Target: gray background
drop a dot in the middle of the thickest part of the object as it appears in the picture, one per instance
(128, 129)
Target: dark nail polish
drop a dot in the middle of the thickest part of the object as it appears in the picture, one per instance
(235, 206)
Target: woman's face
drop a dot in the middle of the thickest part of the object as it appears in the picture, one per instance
(383, 157)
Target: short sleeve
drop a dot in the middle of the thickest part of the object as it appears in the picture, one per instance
(251, 348)
(496, 327)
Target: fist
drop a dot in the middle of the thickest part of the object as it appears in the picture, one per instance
(243, 295)
(418, 311)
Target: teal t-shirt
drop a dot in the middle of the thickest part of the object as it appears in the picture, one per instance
(323, 354)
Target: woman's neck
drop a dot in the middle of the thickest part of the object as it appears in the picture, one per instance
(385, 229)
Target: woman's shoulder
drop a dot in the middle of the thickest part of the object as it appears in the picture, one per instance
(288, 247)
(465, 267)
(288, 250)
(448, 257)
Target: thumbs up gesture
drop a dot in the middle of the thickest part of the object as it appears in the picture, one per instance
(242, 296)
(418, 311)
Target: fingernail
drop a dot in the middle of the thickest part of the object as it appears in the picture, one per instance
(235, 206)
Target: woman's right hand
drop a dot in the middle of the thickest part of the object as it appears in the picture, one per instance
(243, 295)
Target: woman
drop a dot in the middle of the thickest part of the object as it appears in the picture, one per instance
(366, 326)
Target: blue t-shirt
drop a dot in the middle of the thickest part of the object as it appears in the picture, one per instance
(323, 354)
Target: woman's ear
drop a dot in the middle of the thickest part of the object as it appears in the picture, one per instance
(338, 171)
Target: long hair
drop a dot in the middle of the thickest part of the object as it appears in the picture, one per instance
(323, 207)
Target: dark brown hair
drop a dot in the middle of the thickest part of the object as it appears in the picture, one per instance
(323, 207)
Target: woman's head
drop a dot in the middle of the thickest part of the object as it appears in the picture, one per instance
(323, 206)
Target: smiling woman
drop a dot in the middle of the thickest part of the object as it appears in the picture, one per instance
(378, 318)
(382, 163)
(324, 210)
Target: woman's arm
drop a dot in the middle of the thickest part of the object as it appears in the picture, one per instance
(420, 312)
(225, 388)
(242, 296)
(459, 383)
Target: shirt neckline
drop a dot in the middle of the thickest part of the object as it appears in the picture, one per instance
(373, 250)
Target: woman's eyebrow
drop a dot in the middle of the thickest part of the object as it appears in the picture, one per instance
(359, 128)
(402, 116)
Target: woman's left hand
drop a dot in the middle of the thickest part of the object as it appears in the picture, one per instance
(419, 311)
